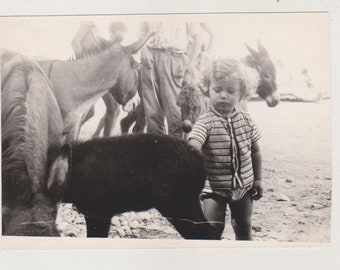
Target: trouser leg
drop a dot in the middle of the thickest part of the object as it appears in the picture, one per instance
(154, 116)
(171, 72)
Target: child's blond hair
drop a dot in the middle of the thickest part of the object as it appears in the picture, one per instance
(226, 68)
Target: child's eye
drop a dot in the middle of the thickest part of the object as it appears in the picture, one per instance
(218, 89)
(231, 90)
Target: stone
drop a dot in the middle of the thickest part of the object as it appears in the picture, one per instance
(282, 198)
(127, 230)
(134, 224)
(133, 216)
(62, 226)
(124, 222)
(121, 232)
(115, 222)
(153, 227)
(289, 179)
(256, 228)
(144, 216)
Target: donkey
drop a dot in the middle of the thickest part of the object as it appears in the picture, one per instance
(95, 44)
(193, 99)
(108, 176)
(78, 84)
(31, 124)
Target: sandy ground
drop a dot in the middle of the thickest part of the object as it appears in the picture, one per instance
(296, 206)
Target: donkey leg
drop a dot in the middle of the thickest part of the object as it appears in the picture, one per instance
(97, 226)
(87, 116)
(127, 121)
(111, 115)
(189, 221)
(140, 119)
(99, 127)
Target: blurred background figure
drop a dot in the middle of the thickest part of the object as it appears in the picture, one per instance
(308, 80)
(166, 63)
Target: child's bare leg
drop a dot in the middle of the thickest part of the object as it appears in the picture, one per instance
(241, 212)
(214, 207)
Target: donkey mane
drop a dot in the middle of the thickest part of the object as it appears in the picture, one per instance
(24, 150)
(102, 48)
(14, 129)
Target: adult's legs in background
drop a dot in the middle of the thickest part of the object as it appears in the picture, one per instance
(154, 115)
(171, 73)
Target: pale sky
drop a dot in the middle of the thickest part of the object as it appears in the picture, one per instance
(300, 40)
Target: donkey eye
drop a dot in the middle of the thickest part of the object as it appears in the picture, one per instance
(266, 76)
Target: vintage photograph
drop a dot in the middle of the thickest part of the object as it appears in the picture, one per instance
(211, 126)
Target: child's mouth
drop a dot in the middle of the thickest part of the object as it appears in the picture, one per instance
(223, 104)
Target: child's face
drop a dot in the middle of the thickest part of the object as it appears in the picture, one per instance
(224, 94)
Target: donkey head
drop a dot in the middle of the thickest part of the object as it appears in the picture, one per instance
(190, 100)
(126, 86)
(267, 88)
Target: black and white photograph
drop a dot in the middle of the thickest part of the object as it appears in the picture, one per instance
(167, 130)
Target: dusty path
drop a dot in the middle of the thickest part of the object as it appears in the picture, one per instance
(296, 207)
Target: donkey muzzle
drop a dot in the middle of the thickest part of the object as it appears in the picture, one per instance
(273, 99)
(187, 126)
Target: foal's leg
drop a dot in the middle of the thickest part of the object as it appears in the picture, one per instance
(189, 221)
(97, 226)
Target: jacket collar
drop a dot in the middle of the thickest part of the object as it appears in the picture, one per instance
(233, 114)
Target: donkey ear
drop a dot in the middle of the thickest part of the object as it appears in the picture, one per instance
(253, 53)
(136, 46)
(262, 50)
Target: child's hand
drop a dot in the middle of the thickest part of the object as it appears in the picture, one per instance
(257, 190)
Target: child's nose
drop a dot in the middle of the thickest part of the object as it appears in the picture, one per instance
(224, 95)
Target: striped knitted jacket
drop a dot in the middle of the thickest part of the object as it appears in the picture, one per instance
(226, 145)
